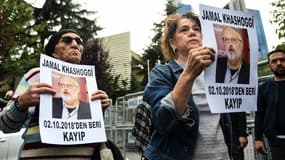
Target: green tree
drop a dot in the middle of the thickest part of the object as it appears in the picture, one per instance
(119, 88)
(62, 14)
(153, 54)
(279, 17)
(136, 75)
(95, 54)
(66, 14)
(19, 41)
(281, 46)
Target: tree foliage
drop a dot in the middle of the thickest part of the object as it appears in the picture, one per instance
(19, 41)
(153, 53)
(25, 29)
(96, 54)
(279, 17)
(62, 14)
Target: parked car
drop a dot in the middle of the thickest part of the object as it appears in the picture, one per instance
(10, 144)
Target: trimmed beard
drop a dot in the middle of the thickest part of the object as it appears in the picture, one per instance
(280, 72)
(68, 98)
(233, 56)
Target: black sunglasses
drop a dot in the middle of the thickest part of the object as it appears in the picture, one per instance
(68, 40)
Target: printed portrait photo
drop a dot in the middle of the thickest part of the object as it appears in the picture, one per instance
(233, 62)
(71, 100)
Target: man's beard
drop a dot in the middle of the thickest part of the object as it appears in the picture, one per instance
(280, 72)
(233, 55)
(67, 98)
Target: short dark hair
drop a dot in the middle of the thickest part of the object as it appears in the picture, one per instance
(274, 51)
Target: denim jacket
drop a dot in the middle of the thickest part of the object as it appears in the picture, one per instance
(174, 138)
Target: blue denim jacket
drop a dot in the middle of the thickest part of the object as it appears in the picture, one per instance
(174, 138)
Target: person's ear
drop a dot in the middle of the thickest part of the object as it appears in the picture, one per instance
(172, 44)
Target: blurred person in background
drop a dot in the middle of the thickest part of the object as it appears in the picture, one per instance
(269, 117)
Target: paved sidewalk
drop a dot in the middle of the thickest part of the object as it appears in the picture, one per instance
(132, 156)
(249, 152)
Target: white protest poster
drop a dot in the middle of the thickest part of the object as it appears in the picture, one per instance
(231, 81)
(69, 117)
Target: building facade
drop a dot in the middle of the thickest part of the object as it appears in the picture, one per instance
(118, 46)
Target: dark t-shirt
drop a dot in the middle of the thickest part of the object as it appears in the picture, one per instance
(280, 109)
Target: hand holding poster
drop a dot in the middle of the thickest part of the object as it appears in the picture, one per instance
(69, 116)
(231, 80)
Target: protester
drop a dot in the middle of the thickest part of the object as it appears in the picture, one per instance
(23, 109)
(69, 105)
(269, 119)
(184, 128)
(232, 68)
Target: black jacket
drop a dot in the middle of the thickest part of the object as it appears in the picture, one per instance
(239, 127)
(222, 68)
(266, 109)
(83, 110)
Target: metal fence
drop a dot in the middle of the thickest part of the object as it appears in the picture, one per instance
(249, 151)
(119, 121)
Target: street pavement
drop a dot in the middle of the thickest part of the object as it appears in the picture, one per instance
(132, 156)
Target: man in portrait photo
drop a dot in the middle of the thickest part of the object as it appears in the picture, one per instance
(68, 105)
(231, 65)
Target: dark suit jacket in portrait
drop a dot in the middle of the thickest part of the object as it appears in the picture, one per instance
(221, 69)
(83, 110)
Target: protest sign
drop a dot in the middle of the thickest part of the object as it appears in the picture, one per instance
(231, 81)
(69, 116)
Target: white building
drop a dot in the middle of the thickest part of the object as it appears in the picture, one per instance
(120, 55)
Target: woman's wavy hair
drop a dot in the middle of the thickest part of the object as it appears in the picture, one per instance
(170, 27)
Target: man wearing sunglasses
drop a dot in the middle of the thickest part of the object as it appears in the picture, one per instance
(232, 68)
(23, 109)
